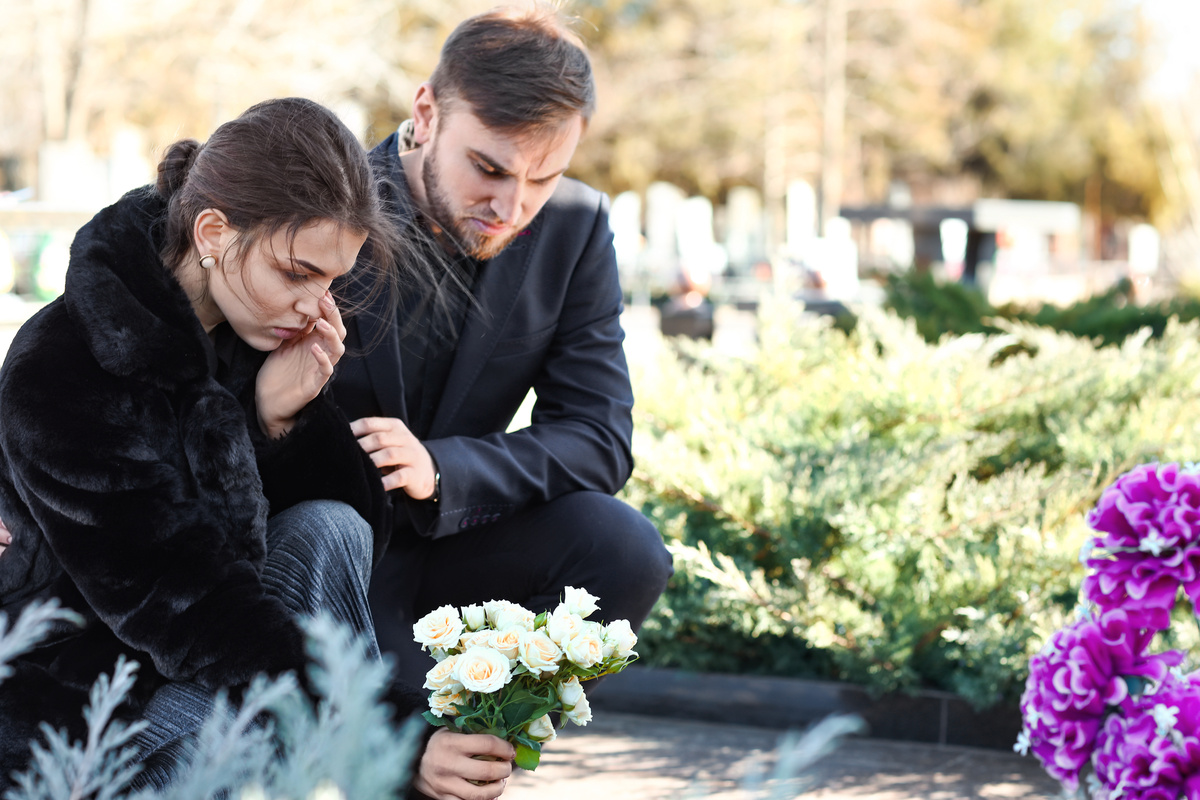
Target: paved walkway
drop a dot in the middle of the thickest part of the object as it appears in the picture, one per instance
(627, 757)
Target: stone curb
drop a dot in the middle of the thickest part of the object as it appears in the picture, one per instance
(790, 703)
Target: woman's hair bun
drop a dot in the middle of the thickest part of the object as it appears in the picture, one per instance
(176, 164)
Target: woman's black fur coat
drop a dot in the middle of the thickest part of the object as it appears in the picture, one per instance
(136, 491)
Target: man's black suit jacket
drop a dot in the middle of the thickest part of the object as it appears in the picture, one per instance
(546, 318)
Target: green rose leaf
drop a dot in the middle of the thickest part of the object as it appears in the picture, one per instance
(528, 757)
(435, 720)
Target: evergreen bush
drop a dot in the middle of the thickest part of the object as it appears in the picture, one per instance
(938, 308)
(880, 509)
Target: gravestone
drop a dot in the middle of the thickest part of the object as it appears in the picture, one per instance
(745, 231)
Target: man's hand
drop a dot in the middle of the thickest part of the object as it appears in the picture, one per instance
(404, 461)
(448, 766)
(5, 538)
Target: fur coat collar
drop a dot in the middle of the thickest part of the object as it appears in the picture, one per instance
(133, 314)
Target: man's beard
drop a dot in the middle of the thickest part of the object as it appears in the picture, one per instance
(457, 228)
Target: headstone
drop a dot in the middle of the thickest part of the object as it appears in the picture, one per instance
(745, 229)
(836, 258)
(801, 215)
(953, 232)
(625, 217)
(893, 239)
(70, 174)
(700, 257)
(662, 255)
(1144, 248)
(128, 167)
(662, 206)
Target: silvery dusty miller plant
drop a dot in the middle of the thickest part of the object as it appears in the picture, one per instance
(341, 746)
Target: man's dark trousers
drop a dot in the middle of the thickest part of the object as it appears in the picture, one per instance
(584, 539)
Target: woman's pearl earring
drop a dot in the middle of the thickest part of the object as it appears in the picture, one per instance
(208, 262)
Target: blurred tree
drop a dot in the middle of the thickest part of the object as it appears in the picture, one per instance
(1050, 96)
(1031, 98)
(698, 91)
(78, 69)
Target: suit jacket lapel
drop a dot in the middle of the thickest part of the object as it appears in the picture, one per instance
(377, 326)
(496, 291)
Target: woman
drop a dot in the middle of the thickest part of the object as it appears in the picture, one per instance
(169, 465)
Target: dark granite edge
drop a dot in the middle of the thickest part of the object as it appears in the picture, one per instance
(793, 703)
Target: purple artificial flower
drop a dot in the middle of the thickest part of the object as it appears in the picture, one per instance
(1149, 521)
(1151, 750)
(1077, 679)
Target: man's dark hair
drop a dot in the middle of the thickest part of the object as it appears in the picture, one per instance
(519, 70)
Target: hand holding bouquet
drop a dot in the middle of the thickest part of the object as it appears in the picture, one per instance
(503, 670)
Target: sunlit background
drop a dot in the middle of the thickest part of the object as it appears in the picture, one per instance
(1038, 149)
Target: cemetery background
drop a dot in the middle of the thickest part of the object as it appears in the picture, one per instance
(876, 509)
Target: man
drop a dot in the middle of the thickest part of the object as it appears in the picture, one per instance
(479, 513)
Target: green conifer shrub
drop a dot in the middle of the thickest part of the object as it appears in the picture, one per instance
(940, 308)
(884, 510)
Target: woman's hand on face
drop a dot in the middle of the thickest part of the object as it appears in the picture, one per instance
(296, 372)
(448, 766)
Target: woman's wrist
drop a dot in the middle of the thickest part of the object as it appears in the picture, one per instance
(276, 429)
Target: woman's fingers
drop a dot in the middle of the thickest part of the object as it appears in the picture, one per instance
(328, 339)
(324, 364)
(333, 315)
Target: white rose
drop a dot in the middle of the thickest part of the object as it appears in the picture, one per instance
(445, 703)
(439, 628)
(504, 615)
(585, 649)
(538, 653)
(619, 635)
(575, 702)
(542, 729)
(561, 625)
(579, 601)
(475, 639)
(475, 617)
(581, 714)
(482, 669)
(441, 676)
(507, 642)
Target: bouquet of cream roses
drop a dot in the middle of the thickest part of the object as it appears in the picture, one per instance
(503, 670)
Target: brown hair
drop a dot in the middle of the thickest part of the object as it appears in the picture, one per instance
(282, 165)
(519, 70)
